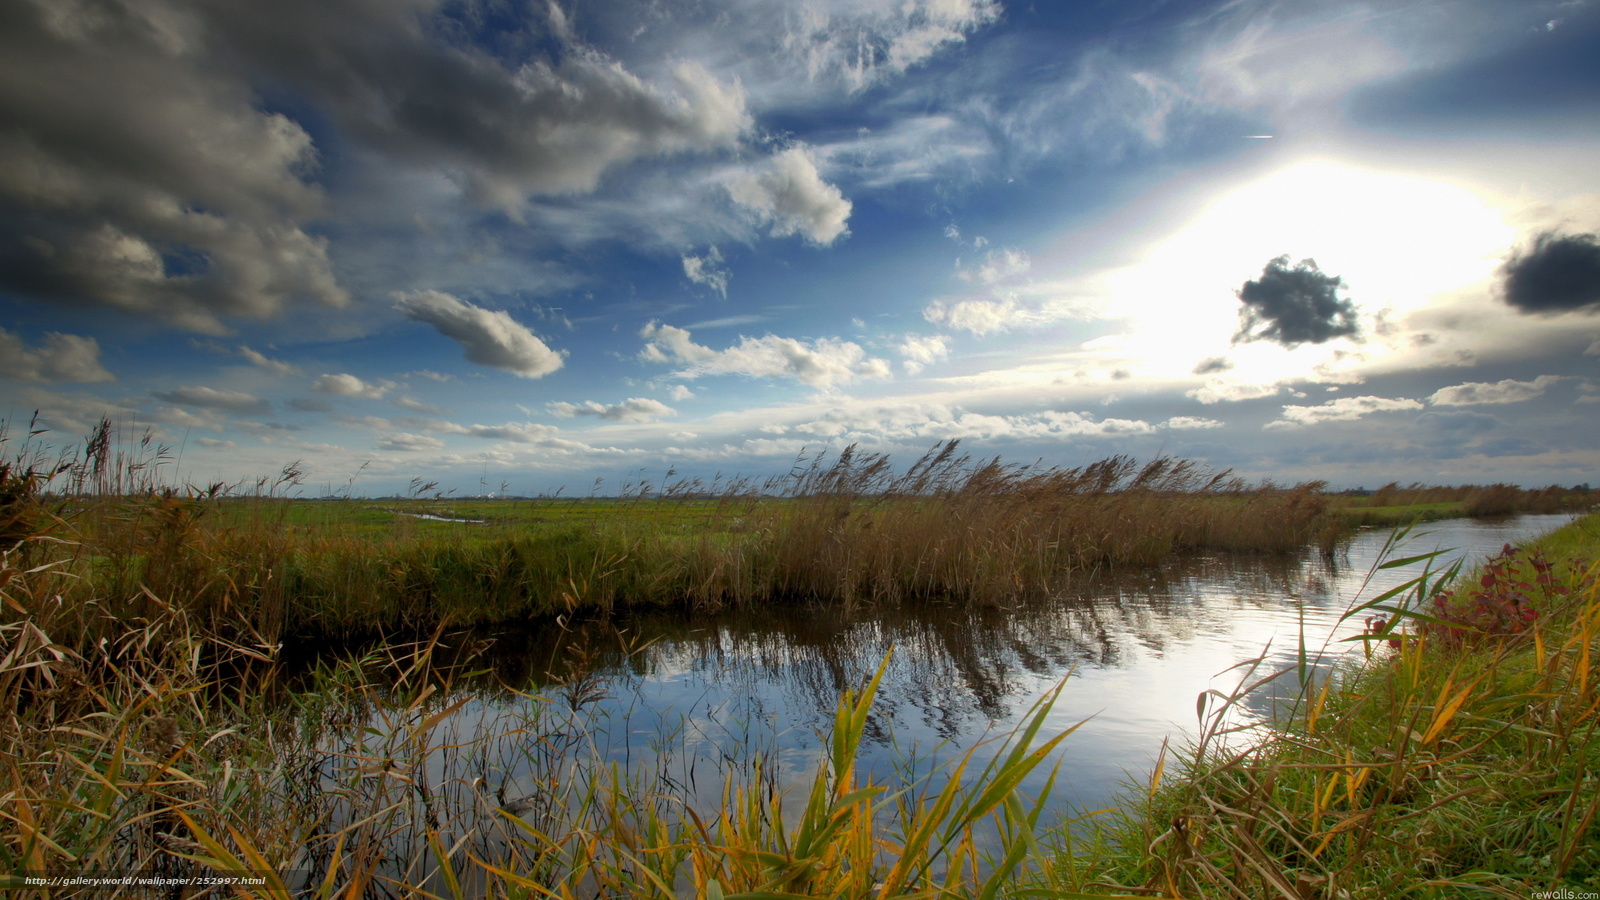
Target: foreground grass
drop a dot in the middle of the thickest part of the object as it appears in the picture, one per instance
(1460, 761)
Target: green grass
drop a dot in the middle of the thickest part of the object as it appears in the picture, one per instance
(1459, 762)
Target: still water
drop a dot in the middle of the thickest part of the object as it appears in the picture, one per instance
(688, 697)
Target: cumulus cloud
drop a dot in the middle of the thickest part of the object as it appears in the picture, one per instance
(1230, 392)
(1190, 423)
(633, 409)
(707, 270)
(489, 337)
(788, 194)
(213, 398)
(1559, 273)
(920, 351)
(998, 265)
(1212, 366)
(680, 392)
(977, 315)
(1477, 393)
(1344, 409)
(59, 357)
(1294, 306)
(822, 363)
(346, 385)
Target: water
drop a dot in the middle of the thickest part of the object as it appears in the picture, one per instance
(1137, 648)
(679, 702)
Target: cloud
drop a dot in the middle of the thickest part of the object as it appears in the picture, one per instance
(1294, 306)
(213, 398)
(864, 43)
(680, 392)
(346, 385)
(143, 175)
(405, 442)
(1477, 393)
(822, 363)
(216, 444)
(1559, 273)
(707, 270)
(920, 351)
(633, 409)
(1231, 392)
(938, 422)
(490, 337)
(1212, 366)
(1190, 423)
(977, 315)
(1344, 409)
(60, 357)
(998, 265)
(788, 194)
(515, 432)
(274, 366)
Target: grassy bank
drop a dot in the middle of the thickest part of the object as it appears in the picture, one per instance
(1393, 506)
(846, 530)
(1459, 761)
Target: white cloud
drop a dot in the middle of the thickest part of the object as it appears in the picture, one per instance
(1344, 409)
(216, 444)
(213, 398)
(787, 193)
(999, 264)
(633, 409)
(680, 392)
(1476, 393)
(1190, 423)
(60, 357)
(707, 270)
(1230, 392)
(405, 442)
(515, 432)
(490, 337)
(920, 351)
(274, 366)
(863, 43)
(978, 315)
(346, 385)
(822, 363)
(922, 422)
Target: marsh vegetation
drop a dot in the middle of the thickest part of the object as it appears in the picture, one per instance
(150, 723)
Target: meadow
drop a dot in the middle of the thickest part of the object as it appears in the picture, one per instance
(149, 724)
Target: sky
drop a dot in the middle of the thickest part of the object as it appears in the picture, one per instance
(522, 247)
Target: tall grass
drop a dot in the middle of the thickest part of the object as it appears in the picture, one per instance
(850, 529)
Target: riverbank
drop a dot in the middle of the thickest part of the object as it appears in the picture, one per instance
(847, 530)
(1460, 758)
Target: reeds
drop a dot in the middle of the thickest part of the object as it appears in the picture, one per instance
(850, 529)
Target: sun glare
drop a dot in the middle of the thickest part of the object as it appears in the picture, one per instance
(1397, 240)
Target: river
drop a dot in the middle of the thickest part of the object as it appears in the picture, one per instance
(680, 700)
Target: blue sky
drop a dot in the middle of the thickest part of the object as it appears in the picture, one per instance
(539, 244)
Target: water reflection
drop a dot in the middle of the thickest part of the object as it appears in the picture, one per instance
(1140, 646)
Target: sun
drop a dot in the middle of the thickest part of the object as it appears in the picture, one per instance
(1399, 241)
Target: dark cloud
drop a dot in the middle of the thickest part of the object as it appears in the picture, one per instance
(1212, 366)
(139, 177)
(162, 156)
(1294, 306)
(1559, 273)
